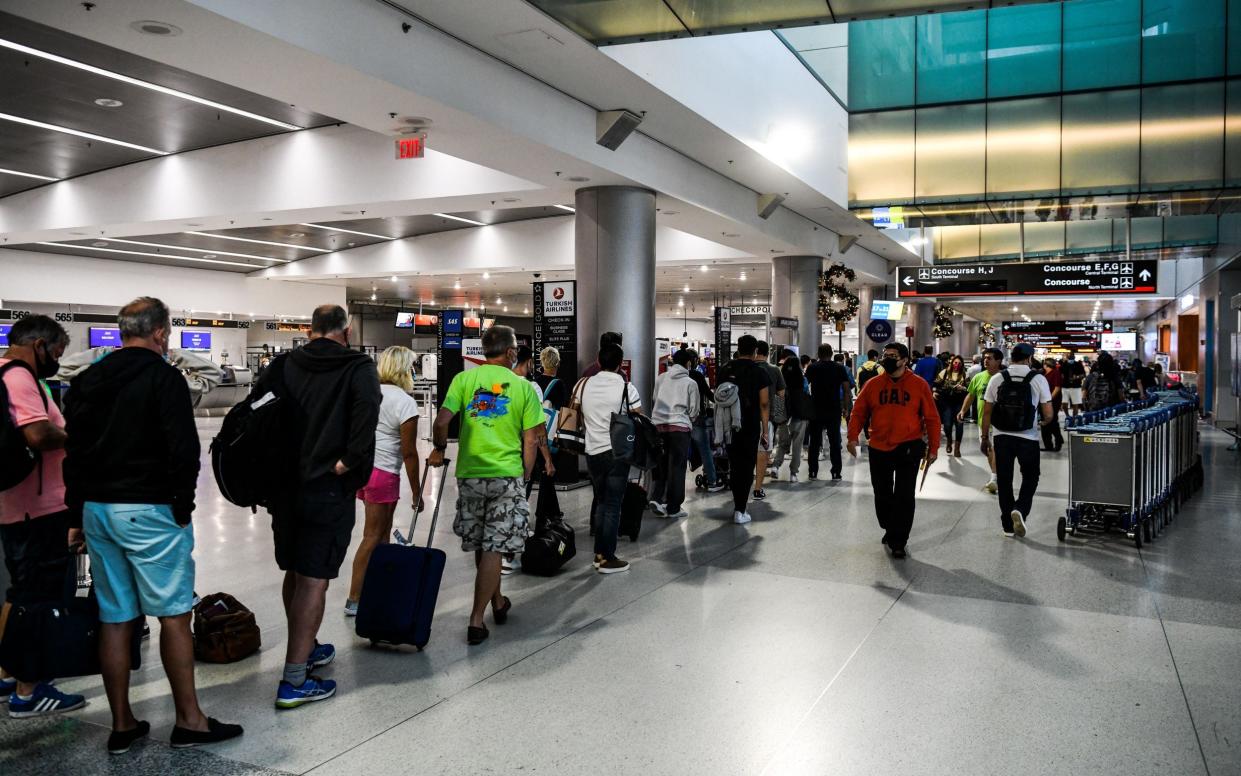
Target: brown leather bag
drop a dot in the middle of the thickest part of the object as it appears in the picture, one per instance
(225, 631)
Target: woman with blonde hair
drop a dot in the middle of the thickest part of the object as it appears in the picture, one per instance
(396, 438)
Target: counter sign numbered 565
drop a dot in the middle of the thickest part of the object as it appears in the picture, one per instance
(1068, 278)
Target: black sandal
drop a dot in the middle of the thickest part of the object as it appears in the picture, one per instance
(501, 615)
(475, 636)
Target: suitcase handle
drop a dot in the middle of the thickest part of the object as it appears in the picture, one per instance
(435, 513)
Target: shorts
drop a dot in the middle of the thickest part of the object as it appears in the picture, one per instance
(382, 488)
(36, 555)
(141, 561)
(313, 527)
(1073, 396)
(493, 514)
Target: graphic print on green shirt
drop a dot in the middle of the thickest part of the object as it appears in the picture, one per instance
(495, 406)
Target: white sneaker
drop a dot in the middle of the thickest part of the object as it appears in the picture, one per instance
(677, 515)
(351, 608)
(740, 518)
(792, 478)
(1019, 526)
(510, 565)
(659, 509)
(993, 485)
(1009, 534)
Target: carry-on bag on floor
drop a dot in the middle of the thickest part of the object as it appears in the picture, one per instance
(554, 543)
(402, 583)
(633, 507)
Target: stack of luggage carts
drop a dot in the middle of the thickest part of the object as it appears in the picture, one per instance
(1132, 466)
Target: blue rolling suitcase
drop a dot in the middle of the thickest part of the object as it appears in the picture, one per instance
(402, 583)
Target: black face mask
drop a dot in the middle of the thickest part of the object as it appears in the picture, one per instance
(48, 368)
(890, 365)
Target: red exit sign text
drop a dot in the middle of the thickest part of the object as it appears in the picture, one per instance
(411, 147)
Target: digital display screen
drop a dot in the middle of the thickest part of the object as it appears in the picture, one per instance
(5, 328)
(405, 320)
(101, 337)
(195, 340)
(1119, 341)
(886, 311)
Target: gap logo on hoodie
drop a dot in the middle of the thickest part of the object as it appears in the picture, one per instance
(895, 395)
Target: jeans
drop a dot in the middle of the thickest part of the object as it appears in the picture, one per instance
(548, 504)
(894, 476)
(1053, 438)
(1023, 452)
(831, 424)
(789, 436)
(953, 428)
(609, 476)
(742, 456)
(669, 486)
(702, 441)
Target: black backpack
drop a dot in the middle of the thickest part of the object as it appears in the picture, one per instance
(1014, 409)
(17, 460)
(865, 373)
(253, 442)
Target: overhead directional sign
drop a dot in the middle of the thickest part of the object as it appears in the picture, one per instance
(1055, 327)
(1083, 278)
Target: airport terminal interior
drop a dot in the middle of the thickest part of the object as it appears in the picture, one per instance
(1056, 180)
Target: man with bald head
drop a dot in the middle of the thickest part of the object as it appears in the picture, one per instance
(333, 393)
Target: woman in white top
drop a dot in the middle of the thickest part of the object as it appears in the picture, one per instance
(396, 438)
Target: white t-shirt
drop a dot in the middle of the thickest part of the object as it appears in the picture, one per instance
(396, 408)
(601, 396)
(1040, 392)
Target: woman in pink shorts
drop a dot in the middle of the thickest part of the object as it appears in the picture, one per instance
(395, 447)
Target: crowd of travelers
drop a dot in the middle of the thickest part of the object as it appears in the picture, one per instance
(117, 471)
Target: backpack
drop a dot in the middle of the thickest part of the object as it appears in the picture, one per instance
(225, 631)
(1099, 392)
(550, 413)
(1014, 407)
(252, 436)
(868, 370)
(17, 460)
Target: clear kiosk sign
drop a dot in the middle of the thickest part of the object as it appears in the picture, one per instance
(1071, 278)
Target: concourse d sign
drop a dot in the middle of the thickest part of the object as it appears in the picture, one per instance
(1069, 278)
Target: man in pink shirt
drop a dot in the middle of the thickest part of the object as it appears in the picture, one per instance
(34, 523)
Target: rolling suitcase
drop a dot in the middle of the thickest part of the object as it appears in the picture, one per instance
(633, 508)
(402, 583)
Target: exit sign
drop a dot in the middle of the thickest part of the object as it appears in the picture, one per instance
(411, 147)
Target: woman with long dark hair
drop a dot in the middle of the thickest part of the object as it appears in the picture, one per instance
(951, 385)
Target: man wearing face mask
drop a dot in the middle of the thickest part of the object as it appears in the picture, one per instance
(131, 465)
(900, 409)
(34, 524)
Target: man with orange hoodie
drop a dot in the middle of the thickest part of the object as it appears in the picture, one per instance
(900, 409)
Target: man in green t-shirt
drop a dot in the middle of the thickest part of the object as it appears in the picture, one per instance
(501, 428)
(992, 362)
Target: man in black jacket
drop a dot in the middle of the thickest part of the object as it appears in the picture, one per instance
(131, 464)
(335, 391)
(826, 378)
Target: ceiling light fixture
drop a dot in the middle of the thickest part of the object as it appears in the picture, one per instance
(108, 102)
(469, 221)
(346, 231)
(566, 207)
(144, 253)
(27, 175)
(144, 84)
(457, 285)
(686, 288)
(80, 133)
(525, 310)
(260, 242)
(499, 300)
(486, 276)
(207, 251)
(393, 278)
(373, 296)
(702, 268)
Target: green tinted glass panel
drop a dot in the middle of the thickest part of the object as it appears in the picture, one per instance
(1087, 236)
(1182, 39)
(1023, 50)
(1234, 37)
(1023, 147)
(1147, 232)
(1102, 43)
(615, 19)
(951, 158)
(957, 242)
(1232, 142)
(1000, 240)
(703, 15)
(1191, 230)
(1182, 136)
(1100, 141)
(951, 65)
(881, 157)
(881, 64)
(1044, 238)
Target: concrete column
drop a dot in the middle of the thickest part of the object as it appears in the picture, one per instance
(969, 338)
(804, 300)
(866, 295)
(781, 304)
(922, 318)
(615, 265)
(959, 343)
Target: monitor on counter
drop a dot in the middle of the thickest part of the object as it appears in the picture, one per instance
(405, 320)
(5, 328)
(104, 337)
(881, 310)
(196, 340)
(1119, 342)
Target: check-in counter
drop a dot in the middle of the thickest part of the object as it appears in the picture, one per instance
(233, 388)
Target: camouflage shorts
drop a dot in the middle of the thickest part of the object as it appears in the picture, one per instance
(493, 514)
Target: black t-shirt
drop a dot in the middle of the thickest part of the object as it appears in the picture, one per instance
(1073, 373)
(826, 378)
(750, 379)
(559, 395)
(1146, 375)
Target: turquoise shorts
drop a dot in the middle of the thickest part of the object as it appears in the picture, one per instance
(141, 560)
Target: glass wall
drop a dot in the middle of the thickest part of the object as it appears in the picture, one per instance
(1055, 238)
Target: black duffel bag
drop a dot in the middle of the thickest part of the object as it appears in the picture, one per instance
(554, 543)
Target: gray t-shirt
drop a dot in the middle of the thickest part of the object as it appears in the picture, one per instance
(774, 374)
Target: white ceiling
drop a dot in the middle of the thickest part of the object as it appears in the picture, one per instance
(1114, 309)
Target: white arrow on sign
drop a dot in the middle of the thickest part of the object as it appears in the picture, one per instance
(1145, 274)
(908, 281)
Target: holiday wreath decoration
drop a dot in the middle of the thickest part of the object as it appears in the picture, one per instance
(986, 333)
(836, 302)
(943, 322)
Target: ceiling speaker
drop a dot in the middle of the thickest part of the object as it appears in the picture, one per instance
(767, 204)
(613, 126)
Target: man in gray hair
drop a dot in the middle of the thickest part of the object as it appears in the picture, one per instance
(131, 467)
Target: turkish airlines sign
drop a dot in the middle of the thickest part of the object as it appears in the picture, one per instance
(558, 300)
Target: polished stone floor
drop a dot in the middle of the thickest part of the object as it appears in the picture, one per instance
(793, 645)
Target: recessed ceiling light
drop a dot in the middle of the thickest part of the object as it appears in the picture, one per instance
(702, 268)
(486, 276)
(352, 244)
(153, 255)
(194, 225)
(346, 231)
(349, 212)
(578, 178)
(260, 242)
(208, 255)
(80, 133)
(686, 289)
(393, 278)
(100, 243)
(671, 212)
(152, 27)
(469, 221)
(296, 235)
(525, 310)
(731, 234)
(145, 84)
(79, 233)
(108, 102)
(373, 296)
(205, 251)
(566, 207)
(457, 285)
(506, 308)
(510, 199)
(499, 300)
(265, 219)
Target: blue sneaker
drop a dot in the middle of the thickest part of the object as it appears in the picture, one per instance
(7, 688)
(321, 655)
(313, 689)
(45, 700)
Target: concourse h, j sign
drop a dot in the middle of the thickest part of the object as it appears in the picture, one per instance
(1086, 278)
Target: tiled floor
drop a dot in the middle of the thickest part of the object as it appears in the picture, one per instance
(793, 645)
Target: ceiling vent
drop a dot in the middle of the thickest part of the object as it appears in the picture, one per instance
(613, 126)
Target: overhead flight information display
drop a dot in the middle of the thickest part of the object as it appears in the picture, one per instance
(1073, 278)
(1058, 335)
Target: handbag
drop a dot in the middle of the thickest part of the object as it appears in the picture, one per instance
(59, 639)
(225, 631)
(570, 433)
(635, 440)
